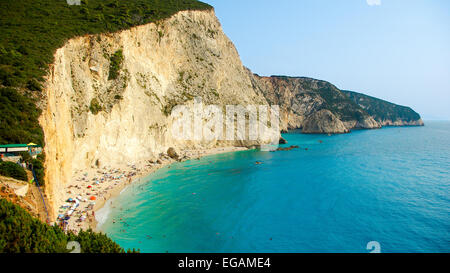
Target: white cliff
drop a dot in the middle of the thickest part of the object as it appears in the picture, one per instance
(164, 64)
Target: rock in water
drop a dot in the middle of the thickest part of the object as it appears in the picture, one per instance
(172, 153)
(324, 122)
(283, 141)
(289, 148)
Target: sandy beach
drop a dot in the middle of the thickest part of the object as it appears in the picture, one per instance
(90, 189)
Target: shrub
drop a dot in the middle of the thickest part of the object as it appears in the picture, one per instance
(115, 64)
(168, 107)
(26, 157)
(95, 106)
(38, 168)
(34, 85)
(382, 110)
(21, 233)
(13, 170)
(18, 118)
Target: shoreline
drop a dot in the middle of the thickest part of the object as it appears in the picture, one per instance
(104, 184)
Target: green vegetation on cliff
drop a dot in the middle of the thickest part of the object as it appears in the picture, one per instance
(338, 103)
(333, 99)
(382, 110)
(10, 169)
(31, 32)
(116, 63)
(18, 118)
(95, 106)
(21, 233)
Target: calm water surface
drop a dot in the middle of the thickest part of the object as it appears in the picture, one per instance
(390, 185)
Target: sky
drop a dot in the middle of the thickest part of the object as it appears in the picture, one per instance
(397, 50)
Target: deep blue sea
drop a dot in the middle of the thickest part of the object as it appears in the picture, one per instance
(391, 186)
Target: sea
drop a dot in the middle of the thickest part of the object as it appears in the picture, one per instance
(384, 190)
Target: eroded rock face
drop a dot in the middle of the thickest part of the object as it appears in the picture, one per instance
(324, 121)
(364, 123)
(300, 98)
(368, 123)
(90, 116)
(400, 122)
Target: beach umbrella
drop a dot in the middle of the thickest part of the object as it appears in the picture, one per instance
(93, 198)
(89, 187)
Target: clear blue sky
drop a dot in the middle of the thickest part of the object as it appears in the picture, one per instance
(398, 50)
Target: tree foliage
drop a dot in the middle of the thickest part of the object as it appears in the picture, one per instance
(95, 106)
(10, 169)
(21, 233)
(383, 110)
(115, 64)
(38, 168)
(18, 119)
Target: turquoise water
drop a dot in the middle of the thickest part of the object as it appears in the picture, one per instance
(390, 185)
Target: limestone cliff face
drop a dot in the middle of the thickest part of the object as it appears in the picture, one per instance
(302, 101)
(323, 121)
(93, 119)
(400, 122)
